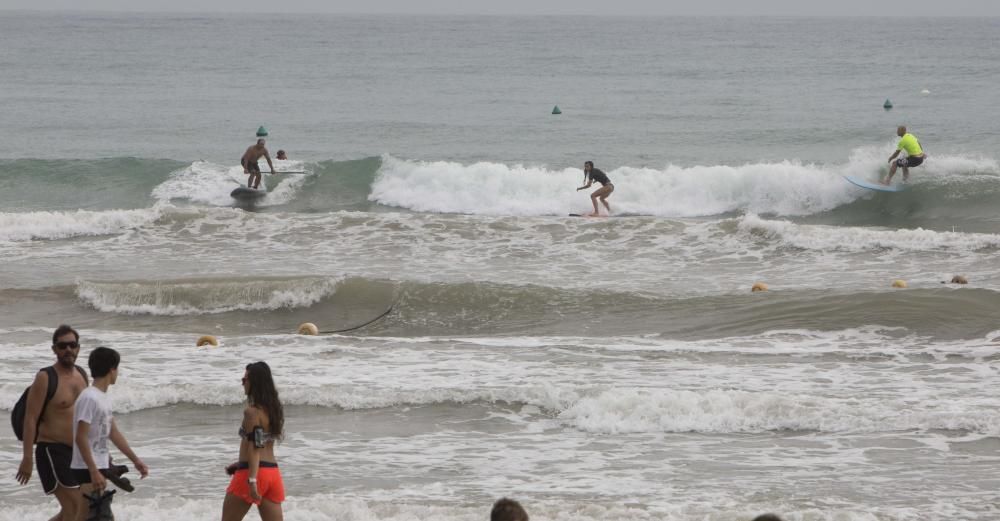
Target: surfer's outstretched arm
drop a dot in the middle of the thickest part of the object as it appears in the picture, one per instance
(269, 163)
(586, 186)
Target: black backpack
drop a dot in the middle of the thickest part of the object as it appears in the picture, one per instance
(21, 407)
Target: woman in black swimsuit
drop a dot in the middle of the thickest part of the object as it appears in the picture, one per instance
(256, 478)
(591, 174)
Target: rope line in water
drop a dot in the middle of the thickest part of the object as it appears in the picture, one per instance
(370, 322)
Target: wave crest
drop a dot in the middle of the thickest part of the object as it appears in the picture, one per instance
(856, 239)
(61, 225)
(205, 296)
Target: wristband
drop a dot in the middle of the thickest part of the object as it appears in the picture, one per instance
(251, 480)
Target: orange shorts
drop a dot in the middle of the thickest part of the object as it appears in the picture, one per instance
(269, 485)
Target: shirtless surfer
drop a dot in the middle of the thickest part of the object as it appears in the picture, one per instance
(591, 174)
(250, 166)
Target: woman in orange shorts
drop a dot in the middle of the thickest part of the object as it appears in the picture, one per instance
(256, 478)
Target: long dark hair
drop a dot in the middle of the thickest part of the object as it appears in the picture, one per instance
(263, 394)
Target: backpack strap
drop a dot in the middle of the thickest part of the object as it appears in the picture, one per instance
(49, 393)
(83, 373)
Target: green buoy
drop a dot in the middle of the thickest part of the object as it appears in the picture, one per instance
(555, 110)
(262, 132)
(887, 105)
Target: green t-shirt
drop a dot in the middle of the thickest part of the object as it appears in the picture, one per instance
(909, 143)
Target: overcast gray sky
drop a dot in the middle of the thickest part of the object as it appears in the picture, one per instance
(557, 7)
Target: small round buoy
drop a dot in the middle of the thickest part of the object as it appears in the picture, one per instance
(899, 283)
(308, 328)
(207, 340)
(758, 286)
(261, 131)
(959, 279)
(887, 105)
(555, 110)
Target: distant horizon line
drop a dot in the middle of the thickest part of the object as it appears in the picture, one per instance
(498, 15)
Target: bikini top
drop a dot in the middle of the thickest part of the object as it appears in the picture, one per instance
(257, 436)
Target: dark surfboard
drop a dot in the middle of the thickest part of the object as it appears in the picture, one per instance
(247, 194)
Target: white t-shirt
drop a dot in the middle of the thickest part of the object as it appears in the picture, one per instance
(93, 406)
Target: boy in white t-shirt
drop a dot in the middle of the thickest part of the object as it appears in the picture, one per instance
(94, 426)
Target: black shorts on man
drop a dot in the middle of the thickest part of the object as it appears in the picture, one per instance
(910, 161)
(252, 167)
(53, 461)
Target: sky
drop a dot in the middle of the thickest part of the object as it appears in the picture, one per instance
(537, 7)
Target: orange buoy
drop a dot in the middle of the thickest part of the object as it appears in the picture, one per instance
(207, 340)
(308, 328)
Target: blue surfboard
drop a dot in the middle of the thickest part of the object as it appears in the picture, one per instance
(874, 186)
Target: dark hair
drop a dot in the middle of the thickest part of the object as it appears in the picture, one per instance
(767, 517)
(506, 509)
(591, 163)
(262, 393)
(102, 360)
(62, 331)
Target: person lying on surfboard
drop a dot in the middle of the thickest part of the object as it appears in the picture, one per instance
(591, 174)
(914, 155)
(250, 166)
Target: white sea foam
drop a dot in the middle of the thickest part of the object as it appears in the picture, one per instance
(638, 434)
(407, 506)
(784, 188)
(61, 225)
(205, 296)
(734, 411)
(838, 238)
(867, 380)
(209, 183)
(201, 182)
(865, 161)
(611, 411)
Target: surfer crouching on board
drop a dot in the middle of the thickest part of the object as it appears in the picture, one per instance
(250, 166)
(914, 155)
(591, 174)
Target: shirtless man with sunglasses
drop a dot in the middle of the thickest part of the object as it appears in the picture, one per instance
(52, 428)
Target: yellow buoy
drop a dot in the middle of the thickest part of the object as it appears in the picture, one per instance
(208, 340)
(308, 328)
(899, 283)
(758, 286)
(959, 279)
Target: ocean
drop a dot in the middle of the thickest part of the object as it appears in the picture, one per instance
(612, 369)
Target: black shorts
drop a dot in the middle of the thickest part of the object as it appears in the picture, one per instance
(910, 162)
(82, 476)
(252, 167)
(52, 461)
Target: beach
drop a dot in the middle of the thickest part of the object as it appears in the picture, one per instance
(592, 368)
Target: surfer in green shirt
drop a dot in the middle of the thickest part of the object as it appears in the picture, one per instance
(914, 155)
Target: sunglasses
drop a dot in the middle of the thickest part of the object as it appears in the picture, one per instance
(73, 344)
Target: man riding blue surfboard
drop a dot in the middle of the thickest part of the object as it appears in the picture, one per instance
(914, 155)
